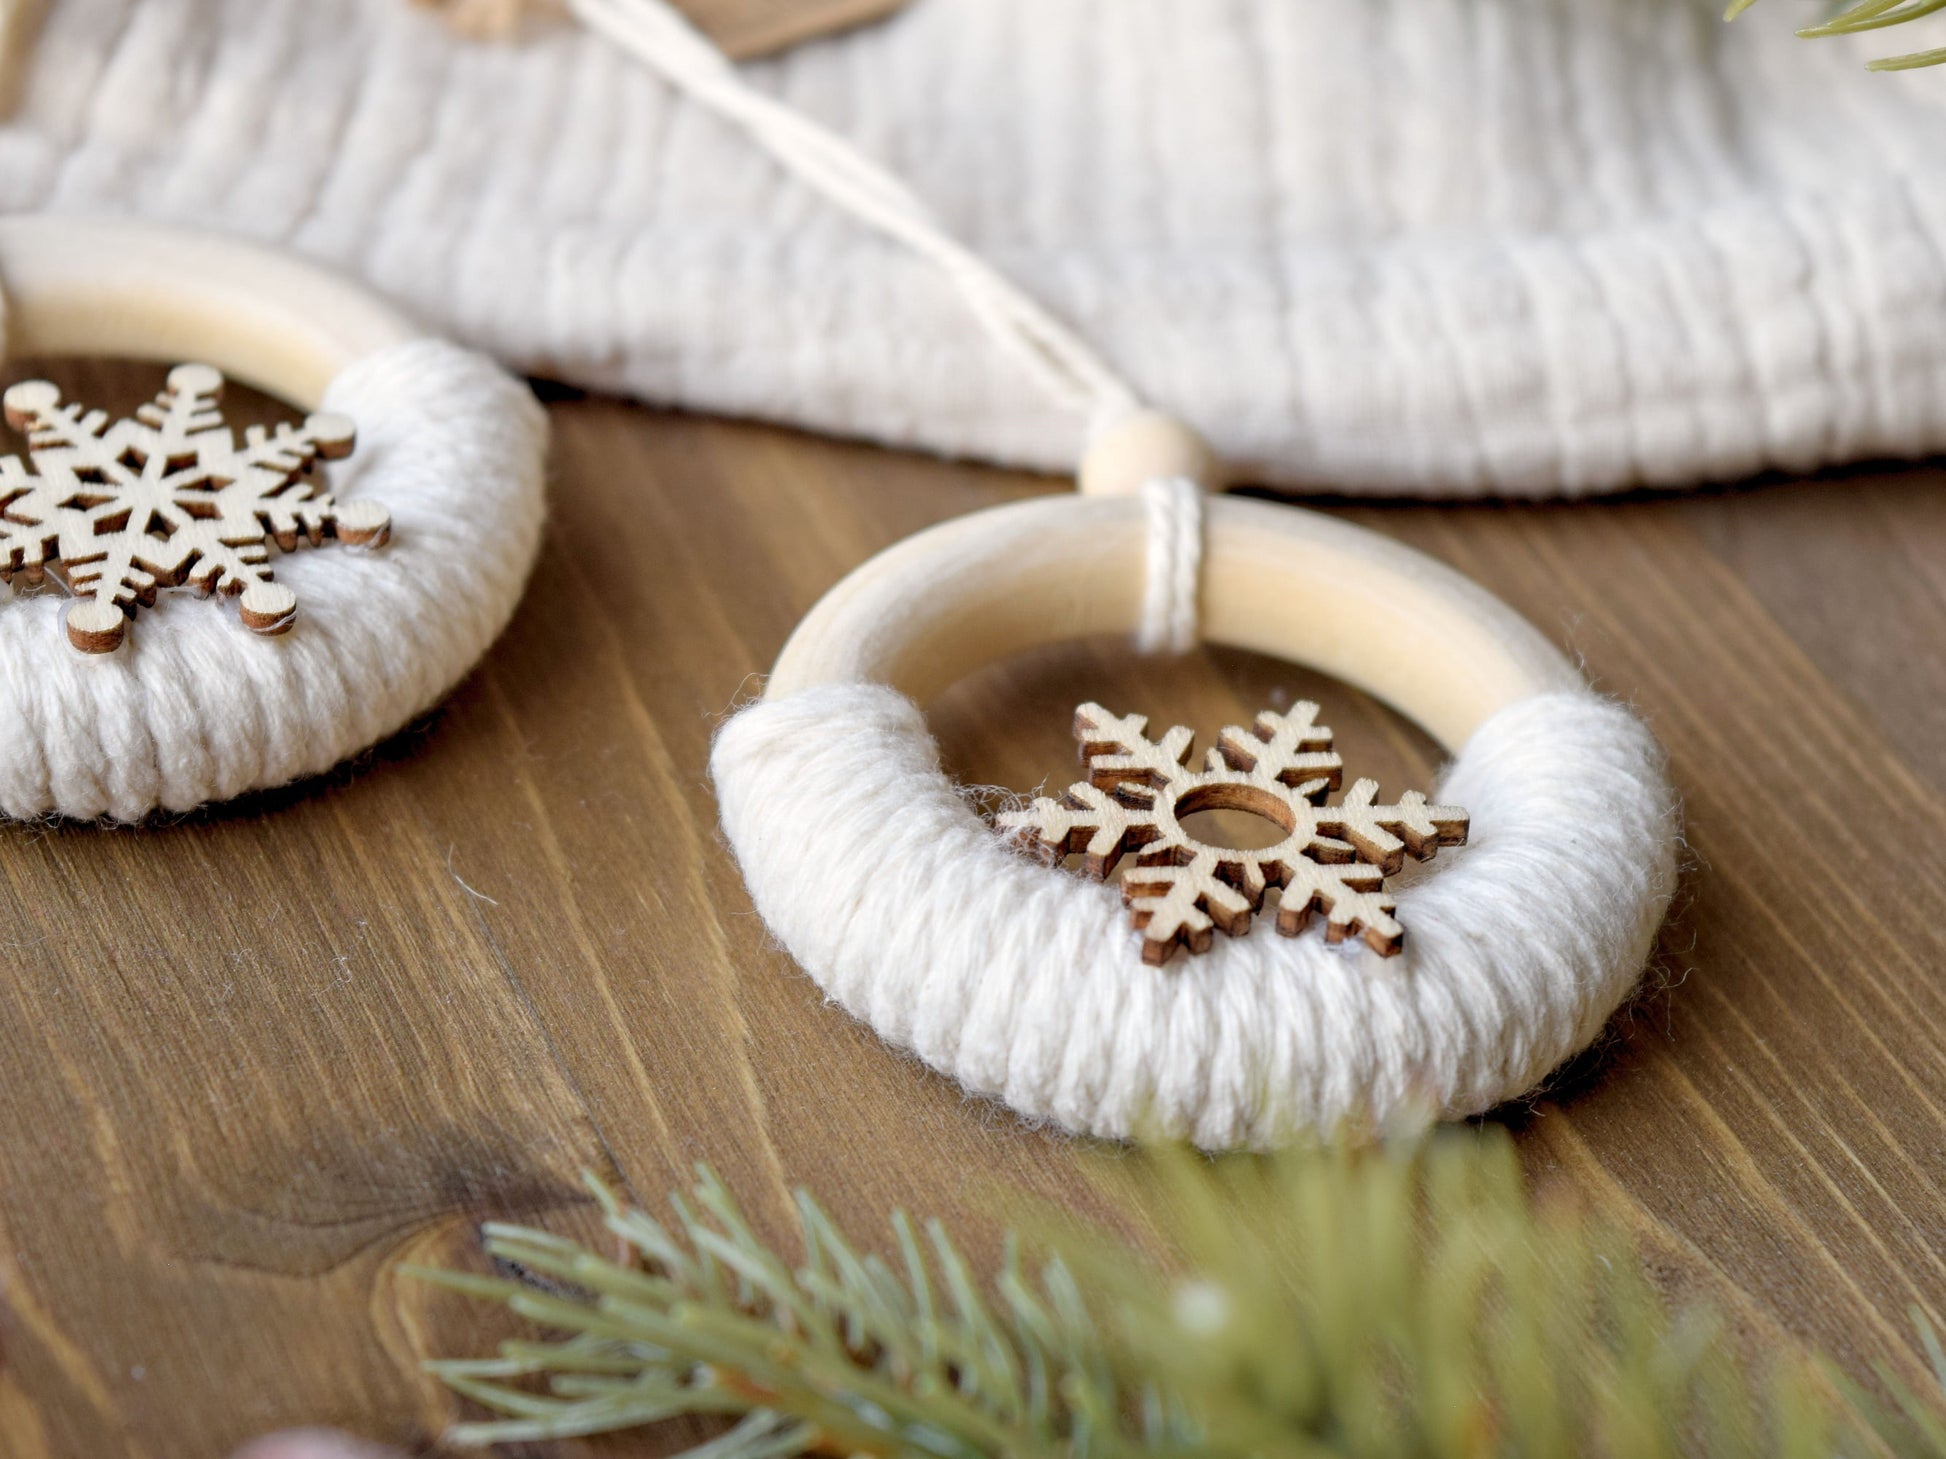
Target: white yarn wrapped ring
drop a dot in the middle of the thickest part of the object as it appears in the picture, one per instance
(1025, 982)
(191, 708)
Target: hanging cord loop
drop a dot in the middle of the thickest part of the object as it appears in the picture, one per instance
(1175, 565)
(1131, 448)
(1172, 467)
(662, 39)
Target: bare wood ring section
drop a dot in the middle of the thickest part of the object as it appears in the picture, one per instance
(1279, 580)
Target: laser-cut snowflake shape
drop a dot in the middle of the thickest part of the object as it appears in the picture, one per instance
(1332, 859)
(170, 498)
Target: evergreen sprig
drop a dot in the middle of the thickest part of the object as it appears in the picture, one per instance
(1867, 15)
(1409, 1300)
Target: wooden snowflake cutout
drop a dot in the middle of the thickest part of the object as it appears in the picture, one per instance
(116, 512)
(1333, 858)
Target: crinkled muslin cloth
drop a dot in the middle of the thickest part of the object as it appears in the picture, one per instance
(1451, 247)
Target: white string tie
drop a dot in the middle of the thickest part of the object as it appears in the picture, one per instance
(1163, 456)
(1175, 565)
(656, 34)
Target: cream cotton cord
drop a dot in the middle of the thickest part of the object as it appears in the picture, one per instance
(1071, 372)
(661, 38)
(1175, 564)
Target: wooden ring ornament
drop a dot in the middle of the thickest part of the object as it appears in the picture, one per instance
(1025, 983)
(447, 477)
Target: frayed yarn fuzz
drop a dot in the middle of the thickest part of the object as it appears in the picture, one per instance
(1026, 984)
(194, 709)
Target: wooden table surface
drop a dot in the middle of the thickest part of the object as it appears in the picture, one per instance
(253, 1058)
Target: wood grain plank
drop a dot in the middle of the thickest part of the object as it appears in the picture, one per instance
(1797, 1051)
(251, 1058)
(1872, 634)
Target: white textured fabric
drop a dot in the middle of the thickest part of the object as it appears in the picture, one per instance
(1457, 246)
(194, 708)
(1026, 982)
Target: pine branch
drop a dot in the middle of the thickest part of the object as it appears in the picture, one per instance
(1866, 15)
(839, 1356)
(1404, 1301)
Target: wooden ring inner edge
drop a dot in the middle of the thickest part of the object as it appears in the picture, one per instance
(1279, 580)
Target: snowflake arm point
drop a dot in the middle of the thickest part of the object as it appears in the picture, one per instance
(168, 498)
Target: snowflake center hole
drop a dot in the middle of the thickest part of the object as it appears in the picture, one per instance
(1237, 817)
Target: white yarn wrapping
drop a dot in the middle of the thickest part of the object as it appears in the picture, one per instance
(1026, 984)
(1174, 569)
(194, 708)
